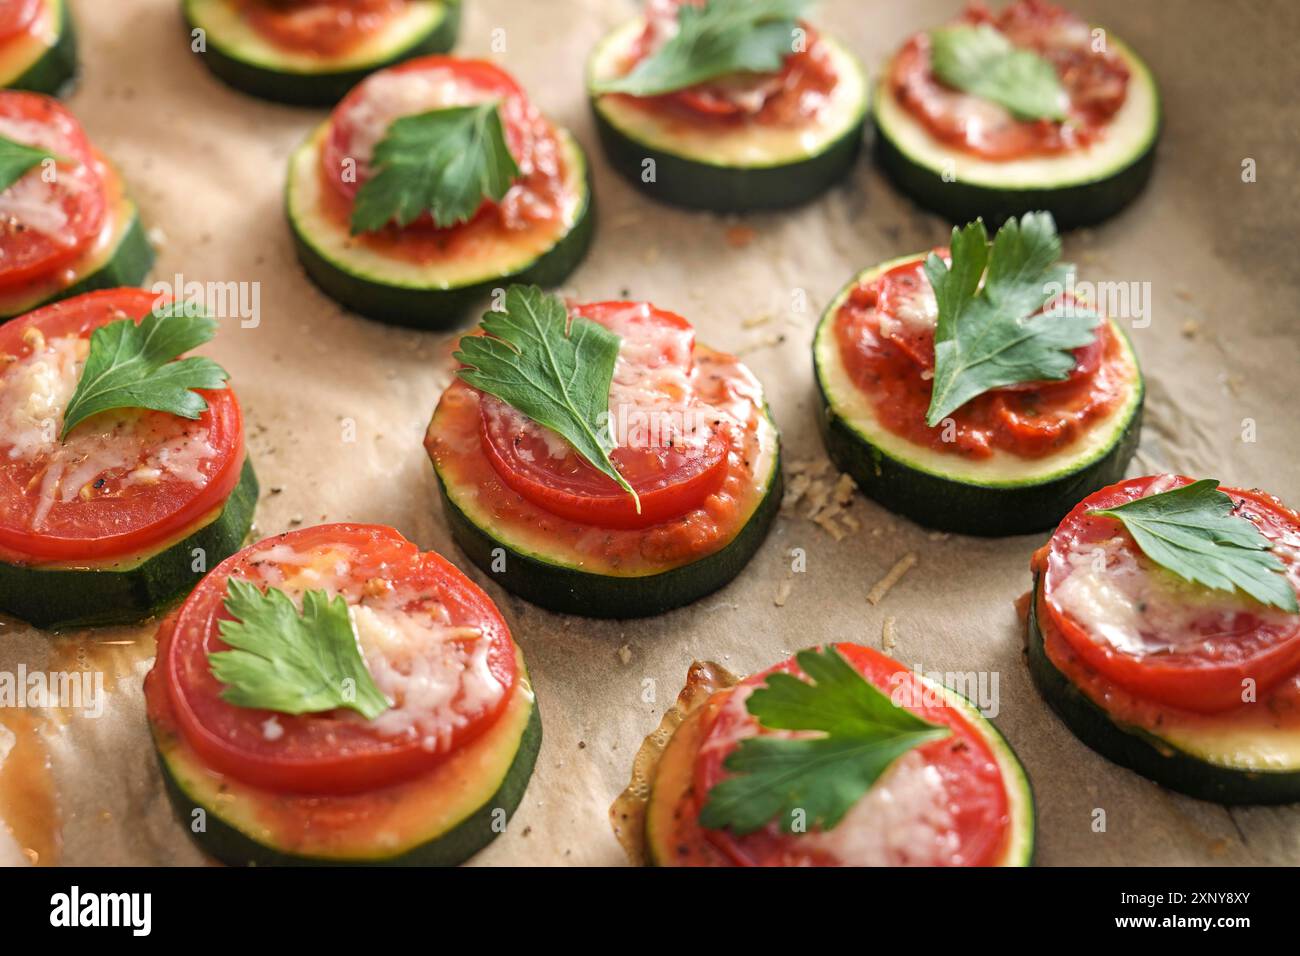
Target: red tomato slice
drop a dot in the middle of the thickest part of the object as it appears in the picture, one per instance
(1199, 662)
(336, 752)
(978, 822)
(326, 27)
(47, 223)
(653, 407)
(16, 16)
(101, 504)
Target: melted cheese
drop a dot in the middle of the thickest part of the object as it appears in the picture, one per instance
(390, 95)
(36, 202)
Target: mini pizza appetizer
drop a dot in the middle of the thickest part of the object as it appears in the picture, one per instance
(68, 226)
(1030, 108)
(431, 184)
(839, 756)
(971, 390)
(1163, 628)
(335, 695)
(38, 50)
(727, 105)
(311, 52)
(596, 461)
(123, 474)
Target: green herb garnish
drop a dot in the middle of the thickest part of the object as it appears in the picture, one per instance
(16, 159)
(994, 334)
(981, 61)
(775, 777)
(1194, 532)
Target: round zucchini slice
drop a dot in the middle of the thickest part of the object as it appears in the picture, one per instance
(42, 60)
(724, 169)
(430, 296)
(1002, 495)
(242, 58)
(1078, 188)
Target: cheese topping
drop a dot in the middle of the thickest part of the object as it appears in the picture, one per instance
(390, 95)
(129, 447)
(36, 200)
(434, 673)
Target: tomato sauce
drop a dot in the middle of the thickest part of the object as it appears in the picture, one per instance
(1095, 81)
(885, 335)
(328, 28)
(792, 95)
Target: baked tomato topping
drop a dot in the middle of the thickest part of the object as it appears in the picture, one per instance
(122, 482)
(941, 804)
(1154, 634)
(885, 334)
(362, 119)
(328, 28)
(1095, 80)
(791, 95)
(16, 16)
(671, 447)
(53, 211)
(434, 643)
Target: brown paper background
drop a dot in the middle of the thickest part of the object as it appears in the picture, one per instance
(206, 166)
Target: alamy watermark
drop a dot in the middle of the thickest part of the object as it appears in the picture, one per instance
(221, 300)
(65, 690)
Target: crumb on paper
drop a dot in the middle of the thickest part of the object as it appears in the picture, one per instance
(888, 635)
(763, 342)
(826, 502)
(1190, 328)
(783, 591)
(738, 237)
(625, 653)
(885, 584)
(754, 321)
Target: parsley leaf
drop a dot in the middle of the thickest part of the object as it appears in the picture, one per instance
(989, 337)
(1193, 532)
(864, 732)
(291, 662)
(16, 159)
(444, 162)
(980, 60)
(554, 369)
(131, 366)
(717, 39)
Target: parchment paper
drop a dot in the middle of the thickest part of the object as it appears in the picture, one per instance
(207, 167)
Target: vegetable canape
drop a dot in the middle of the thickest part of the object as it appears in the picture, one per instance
(971, 390)
(123, 473)
(68, 226)
(839, 756)
(595, 460)
(38, 49)
(311, 52)
(335, 695)
(431, 184)
(1031, 108)
(727, 105)
(1164, 630)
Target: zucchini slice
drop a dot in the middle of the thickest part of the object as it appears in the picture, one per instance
(239, 56)
(1003, 495)
(727, 170)
(61, 596)
(121, 256)
(1200, 756)
(429, 296)
(1078, 188)
(440, 819)
(46, 63)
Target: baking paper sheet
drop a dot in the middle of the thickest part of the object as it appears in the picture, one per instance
(337, 406)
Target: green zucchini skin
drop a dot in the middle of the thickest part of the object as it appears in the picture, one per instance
(55, 73)
(437, 309)
(570, 591)
(128, 265)
(235, 848)
(1141, 751)
(1074, 206)
(316, 89)
(728, 189)
(55, 599)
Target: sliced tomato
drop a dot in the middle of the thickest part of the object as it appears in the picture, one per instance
(329, 28)
(1200, 663)
(335, 752)
(977, 808)
(16, 16)
(114, 510)
(46, 221)
(672, 448)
